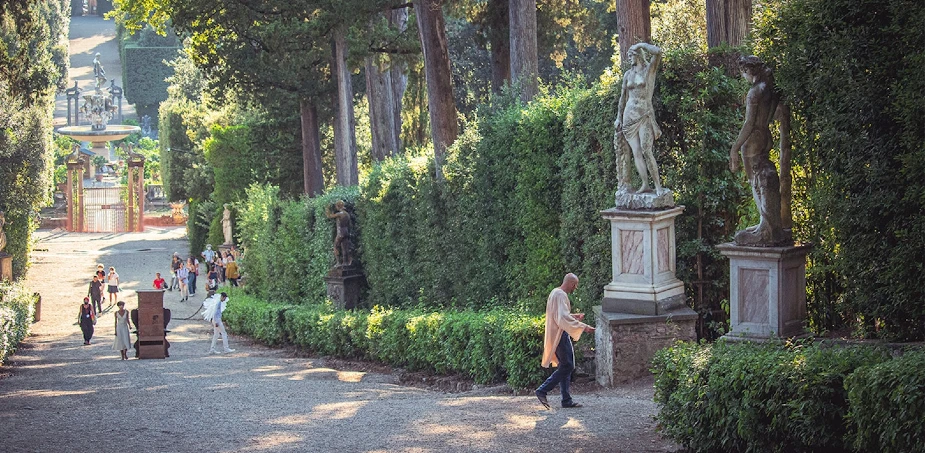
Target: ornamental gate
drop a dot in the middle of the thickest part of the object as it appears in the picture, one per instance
(105, 210)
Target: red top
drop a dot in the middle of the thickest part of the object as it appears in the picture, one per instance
(159, 283)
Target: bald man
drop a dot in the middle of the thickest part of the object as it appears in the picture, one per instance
(561, 327)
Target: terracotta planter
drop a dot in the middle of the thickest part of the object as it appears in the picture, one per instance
(99, 177)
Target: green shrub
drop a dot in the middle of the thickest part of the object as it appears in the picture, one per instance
(888, 405)
(17, 308)
(757, 398)
(144, 73)
(486, 346)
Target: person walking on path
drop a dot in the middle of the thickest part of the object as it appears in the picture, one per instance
(561, 327)
(112, 281)
(175, 265)
(123, 327)
(208, 254)
(193, 267)
(100, 272)
(86, 319)
(96, 293)
(183, 278)
(231, 271)
(218, 327)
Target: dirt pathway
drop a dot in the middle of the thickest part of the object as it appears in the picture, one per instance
(59, 395)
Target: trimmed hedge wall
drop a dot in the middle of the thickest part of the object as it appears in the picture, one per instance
(144, 70)
(795, 397)
(486, 346)
(17, 308)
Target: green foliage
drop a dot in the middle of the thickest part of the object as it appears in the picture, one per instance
(33, 61)
(888, 405)
(744, 397)
(289, 243)
(852, 71)
(144, 73)
(17, 308)
(486, 346)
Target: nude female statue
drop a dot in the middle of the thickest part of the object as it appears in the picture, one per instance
(635, 126)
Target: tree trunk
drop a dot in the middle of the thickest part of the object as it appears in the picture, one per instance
(381, 113)
(441, 104)
(311, 149)
(345, 145)
(499, 38)
(524, 64)
(786, 180)
(728, 21)
(634, 25)
(399, 20)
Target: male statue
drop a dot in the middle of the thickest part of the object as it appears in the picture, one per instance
(342, 244)
(754, 141)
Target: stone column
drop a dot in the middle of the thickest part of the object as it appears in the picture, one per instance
(644, 307)
(345, 285)
(135, 183)
(75, 208)
(767, 287)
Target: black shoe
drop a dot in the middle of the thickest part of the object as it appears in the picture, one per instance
(542, 397)
(571, 404)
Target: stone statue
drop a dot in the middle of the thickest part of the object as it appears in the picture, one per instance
(2, 233)
(754, 141)
(129, 150)
(342, 244)
(146, 126)
(226, 225)
(635, 127)
(98, 72)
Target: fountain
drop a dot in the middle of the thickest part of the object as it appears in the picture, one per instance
(99, 108)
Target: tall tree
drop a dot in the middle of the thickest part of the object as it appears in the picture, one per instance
(441, 103)
(386, 79)
(728, 21)
(345, 143)
(524, 64)
(634, 24)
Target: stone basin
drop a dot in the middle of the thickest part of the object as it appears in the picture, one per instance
(86, 134)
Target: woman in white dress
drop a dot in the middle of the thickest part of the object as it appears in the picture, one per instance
(123, 336)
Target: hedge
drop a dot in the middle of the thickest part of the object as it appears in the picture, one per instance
(794, 397)
(17, 308)
(487, 346)
(144, 73)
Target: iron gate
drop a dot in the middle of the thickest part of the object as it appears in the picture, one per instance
(104, 210)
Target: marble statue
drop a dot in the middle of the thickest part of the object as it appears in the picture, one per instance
(754, 142)
(635, 131)
(98, 72)
(226, 225)
(343, 254)
(2, 233)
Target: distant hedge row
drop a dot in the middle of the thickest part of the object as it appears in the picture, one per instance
(486, 346)
(144, 71)
(747, 397)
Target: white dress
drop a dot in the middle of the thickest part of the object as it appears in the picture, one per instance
(123, 337)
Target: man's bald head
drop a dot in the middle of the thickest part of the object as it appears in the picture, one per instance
(569, 283)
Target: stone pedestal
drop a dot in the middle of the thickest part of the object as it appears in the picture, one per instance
(627, 342)
(644, 307)
(345, 285)
(643, 246)
(6, 267)
(151, 324)
(767, 287)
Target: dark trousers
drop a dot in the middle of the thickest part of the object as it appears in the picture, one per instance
(86, 326)
(192, 283)
(97, 301)
(565, 353)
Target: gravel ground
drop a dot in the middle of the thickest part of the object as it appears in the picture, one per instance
(58, 395)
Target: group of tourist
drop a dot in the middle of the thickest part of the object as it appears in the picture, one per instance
(92, 307)
(219, 267)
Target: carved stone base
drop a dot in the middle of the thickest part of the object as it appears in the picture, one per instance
(643, 261)
(626, 343)
(661, 199)
(345, 286)
(6, 267)
(767, 287)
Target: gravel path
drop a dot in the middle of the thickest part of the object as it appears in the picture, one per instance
(58, 395)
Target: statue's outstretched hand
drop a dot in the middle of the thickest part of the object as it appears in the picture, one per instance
(734, 160)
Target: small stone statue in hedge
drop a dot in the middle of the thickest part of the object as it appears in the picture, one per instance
(226, 225)
(343, 253)
(754, 141)
(2, 233)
